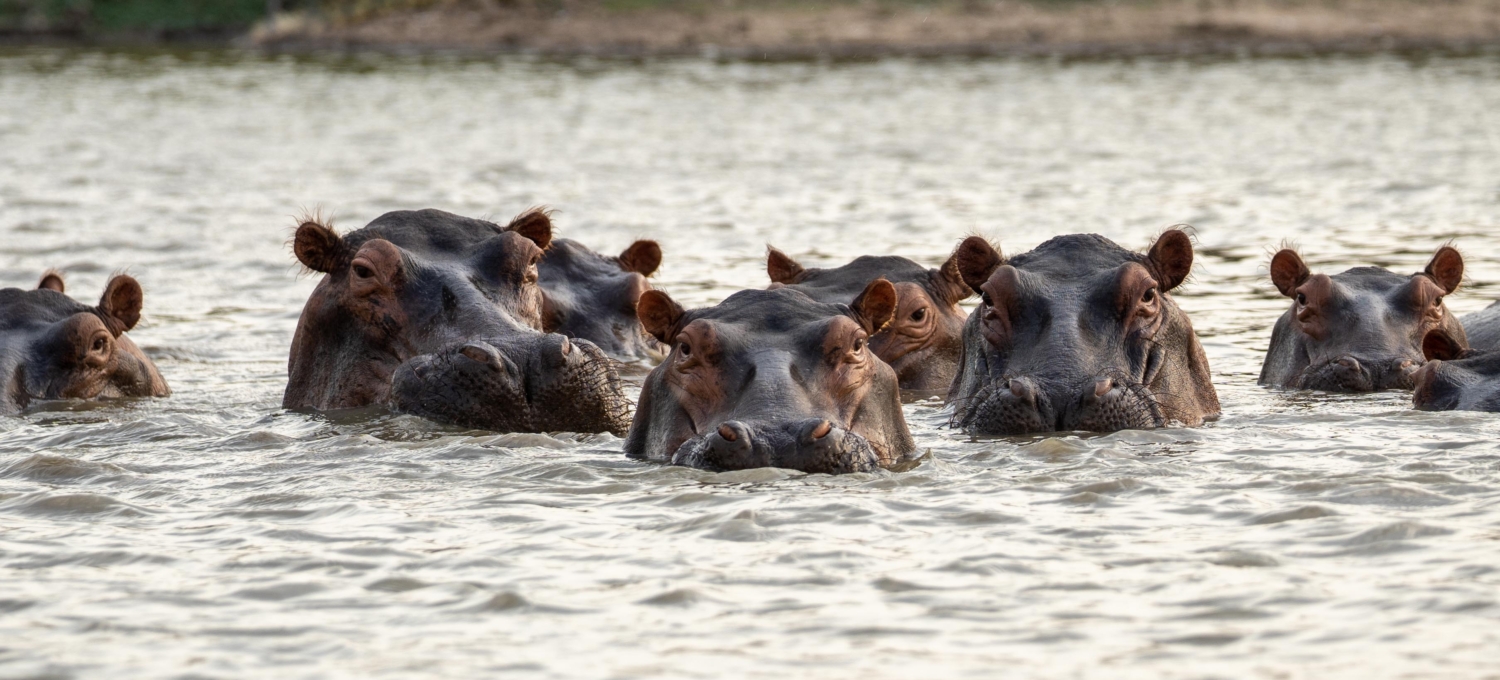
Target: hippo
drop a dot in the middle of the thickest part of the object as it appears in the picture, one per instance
(924, 339)
(771, 378)
(1461, 374)
(1361, 330)
(54, 347)
(437, 315)
(1079, 334)
(590, 296)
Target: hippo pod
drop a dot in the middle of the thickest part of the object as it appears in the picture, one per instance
(439, 316)
(1458, 376)
(924, 339)
(771, 378)
(592, 297)
(1361, 330)
(1079, 334)
(54, 347)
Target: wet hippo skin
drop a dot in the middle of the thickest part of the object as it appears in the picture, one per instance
(54, 347)
(771, 378)
(1460, 377)
(1079, 334)
(924, 338)
(439, 315)
(1360, 330)
(591, 296)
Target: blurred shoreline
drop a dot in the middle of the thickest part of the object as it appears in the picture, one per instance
(770, 29)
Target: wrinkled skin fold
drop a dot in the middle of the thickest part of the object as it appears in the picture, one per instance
(924, 338)
(439, 316)
(1360, 330)
(54, 347)
(1079, 334)
(771, 379)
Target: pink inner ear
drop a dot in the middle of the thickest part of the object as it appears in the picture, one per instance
(534, 224)
(51, 281)
(642, 257)
(659, 314)
(1447, 268)
(1288, 271)
(976, 260)
(781, 267)
(1172, 257)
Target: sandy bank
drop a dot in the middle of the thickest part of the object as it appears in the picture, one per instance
(1005, 27)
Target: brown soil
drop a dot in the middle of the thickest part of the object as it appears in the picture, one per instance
(847, 29)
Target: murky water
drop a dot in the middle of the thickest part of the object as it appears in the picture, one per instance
(214, 535)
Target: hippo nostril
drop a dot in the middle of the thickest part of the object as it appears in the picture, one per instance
(566, 348)
(479, 355)
(1021, 389)
(1408, 367)
(1349, 362)
(822, 429)
(727, 433)
(1102, 386)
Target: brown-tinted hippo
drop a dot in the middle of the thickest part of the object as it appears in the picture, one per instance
(592, 297)
(1360, 330)
(924, 338)
(54, 347)
(1459, 377)
(771, 378)
(1079, 334)
(437, 315)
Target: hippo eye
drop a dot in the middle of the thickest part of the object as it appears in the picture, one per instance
(1438, 302)
(685, 349)
(919, 315)
(1149, 296)
(985, 297)
(1301, 299)
(859, 344)
(362, 271)
(98, 344)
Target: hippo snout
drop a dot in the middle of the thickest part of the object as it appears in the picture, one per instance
(1026, 405)
(1348, 373)
(813, 445)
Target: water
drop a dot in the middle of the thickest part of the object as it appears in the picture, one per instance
(211, 534)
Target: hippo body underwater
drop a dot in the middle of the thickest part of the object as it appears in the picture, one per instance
(591, 296)
(1458, 377)
(771, 378)
(1079, 334)
(54, 347)
(924, 339)
(439, 315)
(1361, 330)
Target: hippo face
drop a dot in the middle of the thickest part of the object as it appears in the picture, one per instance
(54, 347)
(1456, 377)
(592, 296)
(415, 299)
(924, 338)
(771, 379)
(1361, 330)
(1079, 334)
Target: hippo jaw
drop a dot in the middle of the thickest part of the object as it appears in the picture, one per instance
(549, 384)
(1020, 405)
(813, 446)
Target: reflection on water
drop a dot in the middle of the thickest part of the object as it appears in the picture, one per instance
(213, 535)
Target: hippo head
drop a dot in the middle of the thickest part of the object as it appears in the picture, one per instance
(592, 296)
(1079, 334)
(54, 347)
(438, 315)
(924, 339)
(1456, 377)
(771, 378)
(1361, 330)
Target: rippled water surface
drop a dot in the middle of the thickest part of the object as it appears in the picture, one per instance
(212, 534)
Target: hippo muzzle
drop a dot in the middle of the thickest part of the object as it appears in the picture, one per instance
(813, 445)
(1024, 405)
(1349, 374)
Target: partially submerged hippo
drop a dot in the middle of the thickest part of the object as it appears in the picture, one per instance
(1079, 334)
(592, 297)
(771, 378)
(924, 338)
(1459, 377)
(1361, 330)
(54, 347)
(437, 315)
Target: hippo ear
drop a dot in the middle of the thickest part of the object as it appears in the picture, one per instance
(1438, 344)
(1288, 271)
(875, 305)
(534, 224)
(659, 314)
(949, 281)
(120, 306)
(1171, 258)
(976, 260)
(1447, 268)
(51, 280)
(642, 257)
(318, 247)
(781, 267)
